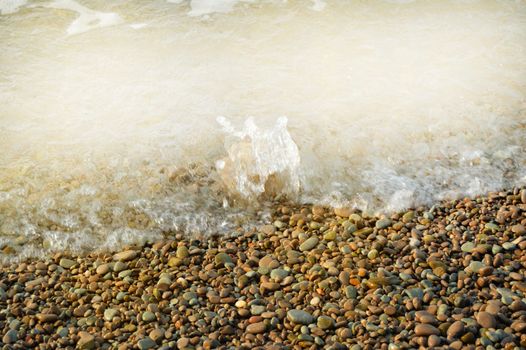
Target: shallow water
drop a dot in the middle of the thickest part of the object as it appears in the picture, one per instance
(125, 121)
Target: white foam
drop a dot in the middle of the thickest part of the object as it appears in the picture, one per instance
(11, 6)
(87, 19)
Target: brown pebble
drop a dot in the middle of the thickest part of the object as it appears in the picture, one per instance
(423, 329)
(486, 320)
(256, 328)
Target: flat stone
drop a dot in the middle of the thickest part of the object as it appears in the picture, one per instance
(148, 316)
(325, 322)
(126, 255)
(10, 337)
(299, 317)
(486, 320)
(109, 314)
(467, 247)
(309, 244)
(256, 328)
(423, 329)
(86, 341)
(120, 266)
(146, 343)
(103, 269)
(157, 334)
(456, 330)
(44, 318)
(383, 223)
(222, 258)
(67, 263)
(182, 252)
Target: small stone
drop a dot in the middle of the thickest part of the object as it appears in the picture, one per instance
(44, 318)
(182, 343)
(330, 235)
(182, 252)
(278, 274)
(299, 317)
(103, 269)
(373, 254)
(222, 258)
(67, 263)
(109, 314)
(257, 309)
(325, 322)
(157, 335)
(456, 330)
(433, 341)
(146, 343)
(426, 330)
(148, 316)
(309, 244)
(467, 247)
(10, 337)
(486, 320)
(119, 266)
(126, 255)
(86, 341)
(256, 328)
(383, 223)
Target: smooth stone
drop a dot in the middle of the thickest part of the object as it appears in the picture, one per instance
(86, 341)
(156, 334)
(103, 269)
(222, 258)
(10, 337)
(126, 255)
(456, 330)
(415, 293)
(182, 252)
(476, 266)
(383, 223)
(299, 317)
(67, 263)
(146, 343)
(256, 328)
(278, 274)
(325, 322)
(373, 254)
(424, 329)
(109, 314)
(119, 266)
(467, 247)
(257, 309)
(309, 244)
(148, 316)
(486, 320)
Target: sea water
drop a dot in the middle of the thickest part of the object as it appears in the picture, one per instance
(128, 121)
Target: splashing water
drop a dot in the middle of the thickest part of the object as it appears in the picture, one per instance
(109, 125)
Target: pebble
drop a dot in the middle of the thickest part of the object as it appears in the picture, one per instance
(126, 255)
(146, 343)
(256, 328)
(67, 263)
(456, 330)
(86, 341)
(10, 337)
(222, 258)
(300, 317)
(426, 330)
(486, 320)
(309, 244)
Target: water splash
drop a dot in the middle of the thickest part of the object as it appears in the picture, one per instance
(260, 161)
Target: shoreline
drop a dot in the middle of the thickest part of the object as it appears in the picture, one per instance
(450, 277)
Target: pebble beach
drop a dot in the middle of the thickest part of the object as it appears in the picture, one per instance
(447, 277)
